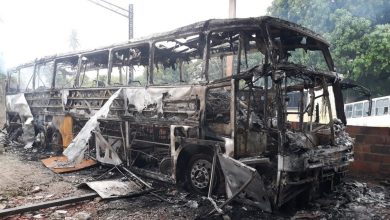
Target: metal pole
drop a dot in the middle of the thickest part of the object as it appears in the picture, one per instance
(232, 8)
(131, 16)
(131, 35)
(229, 59)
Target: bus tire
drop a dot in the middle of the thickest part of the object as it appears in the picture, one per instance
(198, 173)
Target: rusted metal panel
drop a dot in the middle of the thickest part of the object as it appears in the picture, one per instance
(114, 188)
(61, 164)
(66, 130)
(241, 178)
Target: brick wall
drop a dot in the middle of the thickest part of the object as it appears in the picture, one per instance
(372, 150)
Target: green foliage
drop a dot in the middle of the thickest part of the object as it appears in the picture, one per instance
(309, 13)
(377, 47)
(347, 39)
(65, 76)
(192, 71)
(316, 14)
(141, 78)
(373, 64)
(166, 75)
(357, 30)
(312, 59)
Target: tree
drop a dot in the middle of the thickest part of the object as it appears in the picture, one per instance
(347, 40)
(312, 14)
(316, 14)
(371, 66)
(358, 32)
(74, 40)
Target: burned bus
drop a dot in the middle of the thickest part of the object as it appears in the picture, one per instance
(205, 106)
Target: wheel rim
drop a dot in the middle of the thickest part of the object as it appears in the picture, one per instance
(200, 173)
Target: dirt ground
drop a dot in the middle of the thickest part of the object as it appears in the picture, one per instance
(24, 180)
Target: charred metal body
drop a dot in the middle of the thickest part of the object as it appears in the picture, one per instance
(169, 128)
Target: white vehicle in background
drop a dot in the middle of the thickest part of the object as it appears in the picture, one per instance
(358, 113)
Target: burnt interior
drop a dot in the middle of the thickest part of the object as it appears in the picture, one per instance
(233, 88)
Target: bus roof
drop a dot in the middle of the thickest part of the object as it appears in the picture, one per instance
(276, 26)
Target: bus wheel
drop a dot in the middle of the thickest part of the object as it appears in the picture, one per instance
(198, 173)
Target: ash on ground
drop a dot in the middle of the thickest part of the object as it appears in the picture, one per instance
(24, 180)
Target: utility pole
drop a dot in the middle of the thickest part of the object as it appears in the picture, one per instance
(128, 14)
(131, 23)
(229, 59)
(232, 8)
(131, 35)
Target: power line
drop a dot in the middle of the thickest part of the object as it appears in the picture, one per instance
(116, 6)
(110, 9)
(128, 14)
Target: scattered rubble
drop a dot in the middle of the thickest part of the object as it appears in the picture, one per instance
(36, 189)
(353, 199)
(59, 214)
(82, 216)
(350, 200)
(192, 204)
(3, 206)
(38, 216)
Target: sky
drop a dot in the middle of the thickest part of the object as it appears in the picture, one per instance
(32, 29)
